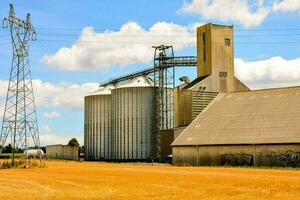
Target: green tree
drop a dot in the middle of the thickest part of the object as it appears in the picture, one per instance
(73, 142)
(7, 149)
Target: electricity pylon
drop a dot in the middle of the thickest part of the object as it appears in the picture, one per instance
(19, 120)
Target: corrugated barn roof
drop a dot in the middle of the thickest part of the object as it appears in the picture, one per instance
(256, 117)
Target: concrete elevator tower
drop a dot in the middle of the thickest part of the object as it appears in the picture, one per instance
(215, 52)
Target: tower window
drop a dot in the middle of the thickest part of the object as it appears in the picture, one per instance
(203, 39)
(223, 74)
(204, 54)
(227, 42)
(204, 46)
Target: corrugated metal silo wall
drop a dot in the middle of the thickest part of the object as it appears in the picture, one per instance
(133, 118)
(97, 127)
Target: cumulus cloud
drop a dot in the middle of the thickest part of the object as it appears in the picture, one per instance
(1, 110)
(59, 95)
(50, 139)
(3, 91)
(3, 88)
(272, 72)
(130, 45)
(237, 11)
(62, 95)
(51, 115)
(287, 6)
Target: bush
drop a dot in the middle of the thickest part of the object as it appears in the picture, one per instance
(18, 164)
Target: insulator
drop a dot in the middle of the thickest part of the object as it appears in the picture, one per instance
(33, 36)
(5, 23)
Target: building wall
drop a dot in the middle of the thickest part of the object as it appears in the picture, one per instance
(64, 152)
(203, 50)
(175, 106)
(281, 155)
(167, 137)
(185, 108)
(239, 86)
(191, 103)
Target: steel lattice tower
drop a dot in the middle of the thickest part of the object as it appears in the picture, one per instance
(19, 120)
(164, 80)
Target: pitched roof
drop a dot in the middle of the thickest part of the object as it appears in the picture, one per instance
(255, 117)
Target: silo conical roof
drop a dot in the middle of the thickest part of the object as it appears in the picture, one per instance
(141, 81)
(103, 90)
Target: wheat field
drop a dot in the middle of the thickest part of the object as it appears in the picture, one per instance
(95, 180)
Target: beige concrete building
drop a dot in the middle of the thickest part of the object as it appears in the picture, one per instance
(215, 71)
(64, 152)
(258, 128)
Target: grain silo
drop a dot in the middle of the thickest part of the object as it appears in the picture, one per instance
(133, 118)
(97, 124)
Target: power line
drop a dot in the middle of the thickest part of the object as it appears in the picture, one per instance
(147, 35)
(162, 35)
(181, 29)
(142, 42)
(136, 42)
(163, 30)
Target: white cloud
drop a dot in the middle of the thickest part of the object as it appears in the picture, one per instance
(272, 72)
(50, 139)
(51, 115)
(3, 88)
(1, 110)
(60, 95)
(287, 6)
(3, 91)
(248, 14)
(131, 44)
(46, 128)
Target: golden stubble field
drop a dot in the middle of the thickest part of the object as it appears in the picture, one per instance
(94, 180)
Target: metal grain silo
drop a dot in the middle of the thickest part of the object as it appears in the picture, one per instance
(97, 124)
(133, 118)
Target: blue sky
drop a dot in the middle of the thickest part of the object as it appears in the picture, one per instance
(267, 47)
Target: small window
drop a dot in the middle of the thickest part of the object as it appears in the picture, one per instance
(204, 54)
(227, 42)
(203, 39)
(223, 74)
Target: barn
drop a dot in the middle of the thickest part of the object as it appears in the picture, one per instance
(64, 152)
(255, 128)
